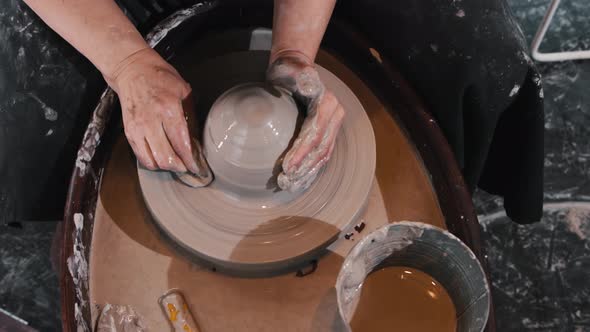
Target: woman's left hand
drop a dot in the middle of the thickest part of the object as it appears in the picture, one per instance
(314, 144)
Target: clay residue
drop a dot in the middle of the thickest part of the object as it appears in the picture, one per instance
(94, 132)
(79, 317)
(119, 318)
(49, 113)
(78, 268)
(162, 29)
(309, 84)
(514, 90)
(365, 256)
(299, 182)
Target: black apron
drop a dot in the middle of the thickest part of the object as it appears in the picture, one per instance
(469, 62)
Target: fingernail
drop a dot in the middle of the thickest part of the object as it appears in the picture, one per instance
(150, 166)
(176, 166)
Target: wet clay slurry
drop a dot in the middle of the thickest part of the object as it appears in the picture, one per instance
(403, 299)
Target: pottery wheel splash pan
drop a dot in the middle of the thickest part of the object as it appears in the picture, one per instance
(245, 234)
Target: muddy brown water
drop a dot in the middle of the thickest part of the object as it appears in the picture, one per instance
(403, 299)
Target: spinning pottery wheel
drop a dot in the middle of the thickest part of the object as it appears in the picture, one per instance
(242, 227)
(132, 260)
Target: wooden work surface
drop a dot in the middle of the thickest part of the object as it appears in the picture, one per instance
(131, 264)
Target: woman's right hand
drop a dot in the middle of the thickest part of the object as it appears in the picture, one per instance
(152, 93)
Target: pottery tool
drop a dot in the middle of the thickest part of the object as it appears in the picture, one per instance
(176, 310)
(241, 222)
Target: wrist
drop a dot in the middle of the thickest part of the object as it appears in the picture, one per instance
(294, 54)
(113, 75)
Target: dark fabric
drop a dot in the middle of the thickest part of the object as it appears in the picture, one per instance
(47, 92)
(468, 61)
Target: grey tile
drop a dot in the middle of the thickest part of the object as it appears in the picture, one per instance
(28, 282)
(540, 272)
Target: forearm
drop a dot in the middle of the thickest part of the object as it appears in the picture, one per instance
(96, 28)
(299, 26)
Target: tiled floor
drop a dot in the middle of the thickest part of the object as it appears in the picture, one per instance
(28, 282)
(540, 271)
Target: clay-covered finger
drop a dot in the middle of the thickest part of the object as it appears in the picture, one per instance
(203, 169)
(306, 179)
(188, 149)
(143, 153)
(303, 176)
(162, 151)
(315, 156)
(292, 184)
(312, 132)
(178, 135)
(203, 177)
(324, 151)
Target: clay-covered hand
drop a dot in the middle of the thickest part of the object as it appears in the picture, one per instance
(314, 144)
(152, 93)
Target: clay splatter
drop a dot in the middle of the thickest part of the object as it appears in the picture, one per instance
(78, 268)
(94, 131)
(514, 90)
(49, 113)
(160, 31)
(358, 264)
(359, 228)
(120, 318)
